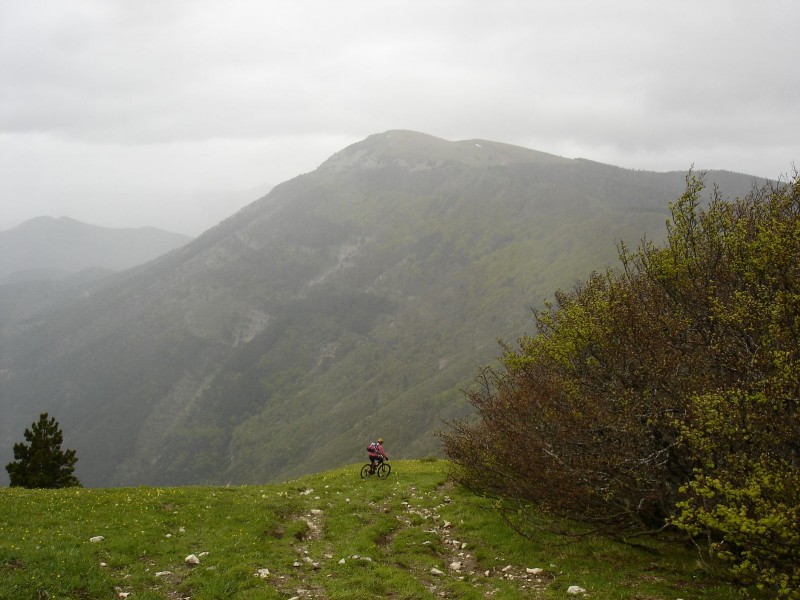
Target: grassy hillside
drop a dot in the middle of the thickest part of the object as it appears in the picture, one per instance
(330, 535)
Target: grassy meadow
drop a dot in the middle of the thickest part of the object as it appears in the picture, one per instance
(329, 535)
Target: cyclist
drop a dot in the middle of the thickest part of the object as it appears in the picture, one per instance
(376, 455)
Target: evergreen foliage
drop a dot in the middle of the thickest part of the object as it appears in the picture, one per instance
(42, 463)
(663, 394)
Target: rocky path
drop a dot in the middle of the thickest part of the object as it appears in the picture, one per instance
(458, 559)
(412, 508)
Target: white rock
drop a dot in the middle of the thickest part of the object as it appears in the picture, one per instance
(163, 573)
(534, 571)
(486, 573)
(97, 538)
(575, 590)
(102, 564)
(262, 573)
(191, 560)
(341, 562)
(435, 571)
(203, 554)
(316, 511)
(506, 569)
(455, 566)
(123, 595)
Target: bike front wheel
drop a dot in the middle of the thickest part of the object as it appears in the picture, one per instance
(384, 470)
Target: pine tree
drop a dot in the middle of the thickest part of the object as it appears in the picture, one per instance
(42, 463)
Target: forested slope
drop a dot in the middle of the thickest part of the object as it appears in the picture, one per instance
(353, 301)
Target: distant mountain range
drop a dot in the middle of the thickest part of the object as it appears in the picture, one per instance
(350, 302)
(49, 248)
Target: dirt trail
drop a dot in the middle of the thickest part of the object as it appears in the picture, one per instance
(417, 510)
(458, 559)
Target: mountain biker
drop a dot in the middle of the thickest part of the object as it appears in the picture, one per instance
(376, 455)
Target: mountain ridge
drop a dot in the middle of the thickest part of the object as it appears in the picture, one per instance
(353, 301)
(403, 147)
(53, 248)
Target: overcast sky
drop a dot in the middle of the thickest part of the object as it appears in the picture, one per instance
(145, 112)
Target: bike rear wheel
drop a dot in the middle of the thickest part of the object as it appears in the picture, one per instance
(384, 470)
(365, 471)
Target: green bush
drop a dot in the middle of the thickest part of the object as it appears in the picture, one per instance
(665, 393)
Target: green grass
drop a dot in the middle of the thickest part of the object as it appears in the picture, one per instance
(372, 539)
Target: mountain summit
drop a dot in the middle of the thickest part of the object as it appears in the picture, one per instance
(420, 152)
(350, 302)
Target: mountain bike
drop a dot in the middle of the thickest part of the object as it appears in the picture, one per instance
(382, 470)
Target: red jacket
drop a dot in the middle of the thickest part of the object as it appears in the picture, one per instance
(379, 452)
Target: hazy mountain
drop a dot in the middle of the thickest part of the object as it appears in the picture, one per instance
(45, 248)
(350, 302)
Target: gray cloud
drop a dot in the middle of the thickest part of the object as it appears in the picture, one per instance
(117, 112)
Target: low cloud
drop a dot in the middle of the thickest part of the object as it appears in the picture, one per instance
(168, 98)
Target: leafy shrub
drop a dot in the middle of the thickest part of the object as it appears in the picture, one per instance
(665, 393)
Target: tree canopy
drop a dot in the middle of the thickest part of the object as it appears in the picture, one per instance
(664, 393)
(41, 463)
